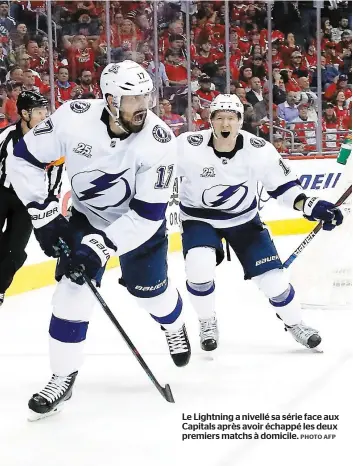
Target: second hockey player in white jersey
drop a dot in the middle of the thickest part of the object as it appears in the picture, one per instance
(120, 162)
(219, 170)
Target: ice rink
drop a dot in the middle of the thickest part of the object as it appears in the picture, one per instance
(116, 416)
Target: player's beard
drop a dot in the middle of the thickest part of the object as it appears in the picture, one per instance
(136, 122)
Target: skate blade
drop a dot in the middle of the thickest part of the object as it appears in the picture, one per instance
(33, 416)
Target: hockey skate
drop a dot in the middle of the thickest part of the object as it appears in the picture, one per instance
(304, 335)
(208, 334)
(179, 346)
(2, 297)
(52, 398)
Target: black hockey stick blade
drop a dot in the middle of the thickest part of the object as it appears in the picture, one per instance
(167, 393)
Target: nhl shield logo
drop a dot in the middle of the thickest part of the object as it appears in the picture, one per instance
(160, 134)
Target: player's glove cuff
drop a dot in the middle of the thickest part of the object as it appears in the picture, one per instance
(101, 245)
(43, 213)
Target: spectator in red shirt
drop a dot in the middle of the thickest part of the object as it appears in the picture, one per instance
(345, 42)
(340, 84)
(297, 65)
(57, 63)
(245, 76)
(288, 48)
(280, 144)
(86, 85)
(277, 60)
(340, 108)
(330, 126)
(80, 56)
(289, 82)
(175, 68)
(64, 89)
(205, 93)
(310, 57)
(173, 120)
(206, 55)
(126, 35)
(10, 107)
(32, 49)
(330, 53)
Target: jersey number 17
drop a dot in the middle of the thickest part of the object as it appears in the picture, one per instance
(164, 176)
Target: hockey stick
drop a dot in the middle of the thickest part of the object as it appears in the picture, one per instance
(164, 391)
(315, 231)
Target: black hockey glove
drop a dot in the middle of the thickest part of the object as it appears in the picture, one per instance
(49, 225)
(89, 256)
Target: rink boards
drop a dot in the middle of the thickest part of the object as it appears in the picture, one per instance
(316, 174)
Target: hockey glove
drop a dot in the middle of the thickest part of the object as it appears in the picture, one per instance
(316, 209)
(89, 256)
(49, 225)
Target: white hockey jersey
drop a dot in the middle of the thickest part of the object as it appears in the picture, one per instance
(222, 191)
(121, 185)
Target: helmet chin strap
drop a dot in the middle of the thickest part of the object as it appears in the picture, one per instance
(116, 118)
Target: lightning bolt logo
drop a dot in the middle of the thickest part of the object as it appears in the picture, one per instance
(99, 187)
(226, 194)
(102, 183)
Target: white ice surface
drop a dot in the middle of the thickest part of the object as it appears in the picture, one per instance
(116, 416)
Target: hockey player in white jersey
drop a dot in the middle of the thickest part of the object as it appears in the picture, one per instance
(120, 162)
(219, 170)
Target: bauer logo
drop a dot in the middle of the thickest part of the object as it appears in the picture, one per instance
(79, 107)
(151, 288)
(161, 134)
(266, 259)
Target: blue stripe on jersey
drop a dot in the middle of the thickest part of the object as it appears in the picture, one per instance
(172, 317)
(67, 331)
(149, 210)
(21, 151)
(283, 188)
(214, 214)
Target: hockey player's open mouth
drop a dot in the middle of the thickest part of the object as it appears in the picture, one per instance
(138, 117)
(225, 134)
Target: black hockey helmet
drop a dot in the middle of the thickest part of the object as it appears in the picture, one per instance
(28, 100)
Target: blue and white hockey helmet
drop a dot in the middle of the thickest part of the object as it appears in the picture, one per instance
(227, 102)
(125, 78)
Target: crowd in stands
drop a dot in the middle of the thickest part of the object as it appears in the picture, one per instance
(80, 53)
